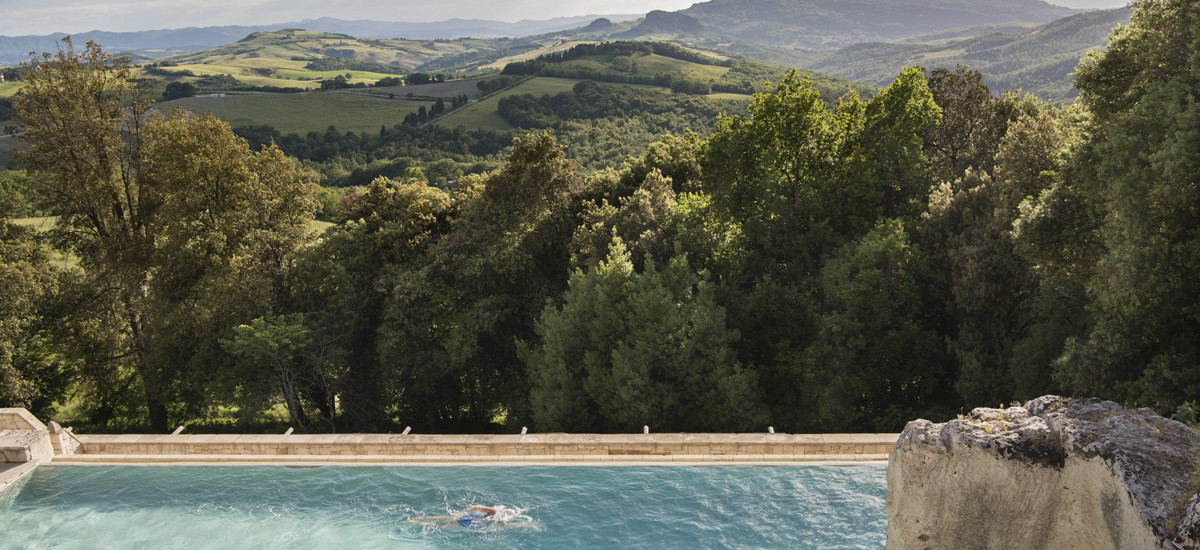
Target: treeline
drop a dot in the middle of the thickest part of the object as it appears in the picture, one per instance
(228, 83)
(438, 109)
(676, 82)
(627, 49)
(810, 267)
(345, 159)
(600, 125)
(590, 101)
(350, 64)
(342, 82)
(551, 64)
(744, 76)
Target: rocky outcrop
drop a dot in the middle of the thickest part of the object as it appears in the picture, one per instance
(1057, 473)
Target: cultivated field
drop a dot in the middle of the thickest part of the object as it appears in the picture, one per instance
(7, 89)
(561, 46)
(468, 87)
(303, 113)
(483, 113)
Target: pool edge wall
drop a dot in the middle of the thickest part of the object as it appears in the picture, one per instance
(490, 449)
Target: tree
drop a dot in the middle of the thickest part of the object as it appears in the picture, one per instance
(30, 377)
(452, 318)
(1125, 209)
(280, 357)
(873, 365)
(973, 121)
(795, 183)
(165, 213)
(628, 349)
(176, 90)
(340, 284)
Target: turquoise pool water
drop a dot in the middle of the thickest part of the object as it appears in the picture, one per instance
(344, 508)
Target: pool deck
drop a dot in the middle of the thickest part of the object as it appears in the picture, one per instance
(27, 442)
(492, 450)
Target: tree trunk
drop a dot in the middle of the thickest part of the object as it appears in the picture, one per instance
(158, 414)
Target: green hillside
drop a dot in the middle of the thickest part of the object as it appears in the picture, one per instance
(303, 113)
(1039, 60)
(671, 66)
(295, 58)
(823, 24)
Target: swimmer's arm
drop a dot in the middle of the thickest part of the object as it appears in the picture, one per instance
(433, 520)
(487, 510)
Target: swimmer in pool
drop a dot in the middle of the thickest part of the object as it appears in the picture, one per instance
(476, 517)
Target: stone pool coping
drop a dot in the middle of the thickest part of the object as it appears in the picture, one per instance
(524, 449)
(57, 445)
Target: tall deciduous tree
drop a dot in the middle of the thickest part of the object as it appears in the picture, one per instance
(29, 377)
(628, 349)
(167, 214)
(1127, 207)
(452, 318)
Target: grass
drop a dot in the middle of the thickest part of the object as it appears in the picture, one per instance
(7, 89)
(483, 114)
(558, 47)
(656, 64)
(303, 113)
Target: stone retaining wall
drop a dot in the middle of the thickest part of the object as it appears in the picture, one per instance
(19, 419)
(23, 438)
(483, 448)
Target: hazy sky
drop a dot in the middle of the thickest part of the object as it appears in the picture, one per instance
(39, 17)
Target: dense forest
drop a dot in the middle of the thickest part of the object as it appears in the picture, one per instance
(817, 265)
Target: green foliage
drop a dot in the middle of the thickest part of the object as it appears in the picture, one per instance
(1125, 207)
(176, 90)
(30, 374)
(177, 224)
(810, 266)
(20, 196)
(628, 349)
(280, 358)
(801, 178)
(1039, 60)
(451, 318)
(872, 366)
(344, 64)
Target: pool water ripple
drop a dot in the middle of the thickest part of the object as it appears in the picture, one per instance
(369, 507)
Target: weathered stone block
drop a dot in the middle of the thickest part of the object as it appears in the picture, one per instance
(1056, 473)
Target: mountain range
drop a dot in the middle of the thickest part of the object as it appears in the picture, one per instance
(1026, 44)
(161, 43)
(828, 24)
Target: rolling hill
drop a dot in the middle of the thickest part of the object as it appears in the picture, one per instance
(155, 44)
(1038, 60)
(826, 24)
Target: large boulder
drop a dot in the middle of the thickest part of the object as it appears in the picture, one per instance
(1057, 473)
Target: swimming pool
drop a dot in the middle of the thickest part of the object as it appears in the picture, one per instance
(369, 507)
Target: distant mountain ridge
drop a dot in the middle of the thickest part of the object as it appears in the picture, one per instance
(828, 24)
(160, 43)
(1038, 60)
